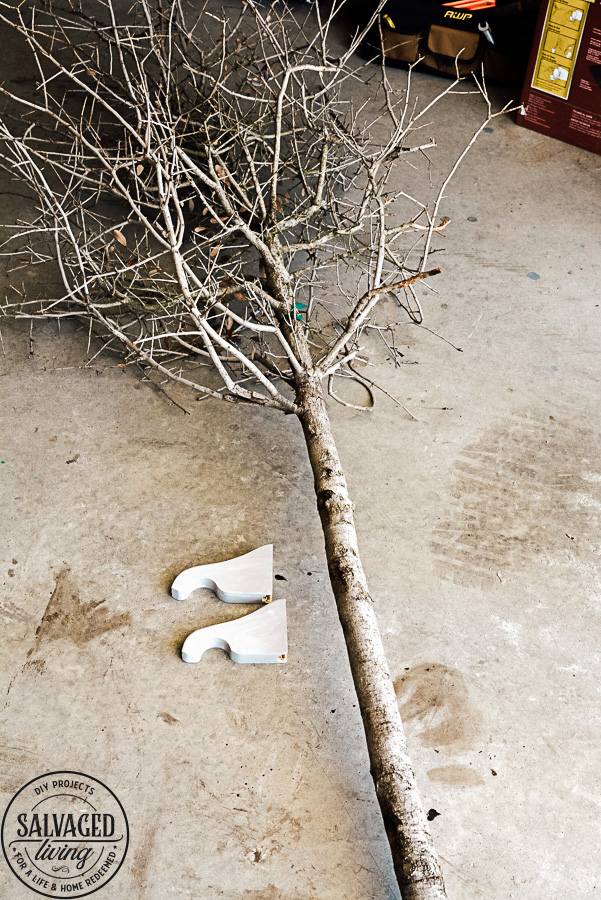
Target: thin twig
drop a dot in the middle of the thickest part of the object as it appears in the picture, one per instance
(162, 390)
(384, 391)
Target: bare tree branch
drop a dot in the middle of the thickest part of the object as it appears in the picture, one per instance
(209, 190)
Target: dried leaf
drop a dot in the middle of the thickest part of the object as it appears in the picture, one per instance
(120, 237)
(139, 169)
(190, 204)
(239, 296)
(262, 271)
(200, 228)
(205, 211)
(229, 324)
(287, 196)
(215, 251)
(278, 204)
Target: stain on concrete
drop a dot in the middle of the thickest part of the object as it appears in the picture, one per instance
(269, 892)
(37, 666)
(18, 765)
(167, 718)
(455, 776)
(522, 491)
(435, 699)
(12, 611)
(67, 617)
(282, 829)
(143, 855)
(273, 893)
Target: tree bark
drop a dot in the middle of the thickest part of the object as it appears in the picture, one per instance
(416, 865)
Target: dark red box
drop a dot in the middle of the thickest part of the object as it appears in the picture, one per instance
(562, 88)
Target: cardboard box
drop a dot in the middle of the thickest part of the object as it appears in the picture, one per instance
(562, 88)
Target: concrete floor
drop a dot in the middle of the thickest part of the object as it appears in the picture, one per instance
(479, 528)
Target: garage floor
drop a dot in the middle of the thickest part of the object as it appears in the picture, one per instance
(479, 528)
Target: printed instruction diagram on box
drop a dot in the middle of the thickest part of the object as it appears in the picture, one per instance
(558, 47)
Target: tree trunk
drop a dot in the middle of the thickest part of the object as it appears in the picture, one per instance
(416, 865)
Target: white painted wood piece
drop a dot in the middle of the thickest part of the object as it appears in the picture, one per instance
(245, 579)
(259, 637)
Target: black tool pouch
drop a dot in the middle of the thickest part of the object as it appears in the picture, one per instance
(453, 41)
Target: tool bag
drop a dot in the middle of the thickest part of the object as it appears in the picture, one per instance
(461, 36)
